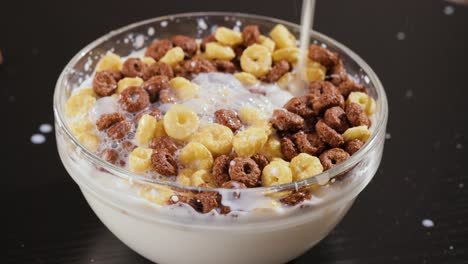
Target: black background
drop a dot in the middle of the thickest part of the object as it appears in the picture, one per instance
(422, 176)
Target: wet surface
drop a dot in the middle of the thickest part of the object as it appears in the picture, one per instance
(414, 211)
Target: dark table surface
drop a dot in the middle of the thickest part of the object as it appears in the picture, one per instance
(419, 49)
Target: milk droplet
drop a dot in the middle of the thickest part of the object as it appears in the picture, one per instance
(151, 31)
(202, 24)
(38, 139)
(401, 35)
(139, 42)
(45, 128)
(449, 10)
(428, 223)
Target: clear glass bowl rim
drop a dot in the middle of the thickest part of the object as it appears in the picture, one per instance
(126, 174)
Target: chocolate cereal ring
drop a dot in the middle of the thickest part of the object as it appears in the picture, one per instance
(245, 170)
(133, 67)
(134, 99)
(158, 49)
(105, 83)
(332, 157)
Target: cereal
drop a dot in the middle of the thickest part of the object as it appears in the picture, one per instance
(128, 82)
(338, 75)
(194, 66)
(133, 67)
(188, 44)
(110, 62)
(110, 155)
(276, 173)
(366, 102)
(325, 95)
(154, 85)
(221, 170)
(279, 69)
(252, 116)
(261, 160)
(156, 193)
(228, 36)
(323, 56)
(159, 131)
(163, 143)
(356, 115)
(251, 35)
(155, 112)
(196, 205)
(309, 143)
(148, 61)
(184, 88)
(163, 162)
(328, 134)
(139, 159)
(282, 37)
(245, 170)
(256, 59)
(119, 130)
(134, 99)
(304, 166)
(228, 118)
(315, 71)
(288, 148)
(336, 118)
(267, 43)
(167, 96)
(208, 201)
(272, 148)
(184, 177)
(158, 68)
(301, 106)
(87, 91)
(173, 56)
(145, 129)
(215, 50)
(332, 157)
(360, 132)
(286, 121)
(290, 55)
(202, 177)
(128, 146)
(296, 198)
(348, 86)
(89, 140)
(247, 143)
(107, 120)
(285, 80)
(353, 146)
(224, 66)
(196, 156)
(104, 83)
(246, 78)
(250, 141)
(78, 105)
(180, 122)
(216, 138)
(81, 125)
(234, 185)
(158, 49)
(207, 39)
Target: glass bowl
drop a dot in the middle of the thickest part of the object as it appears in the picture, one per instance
(259, 229)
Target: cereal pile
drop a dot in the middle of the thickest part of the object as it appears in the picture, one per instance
(134, 115)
